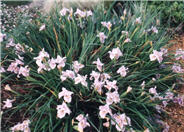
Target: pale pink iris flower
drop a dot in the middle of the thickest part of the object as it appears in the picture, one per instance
(60, 61)
(52, 63)
(89, 13)
(138, 20)
(121, 121)
(122, 71)
(64, 11)
(2, 70)
(115, 53)
(125, 33)
(42, 27)
(105, 76)
(127, 40)
(67, 74)
(24, 71)
(102, 37)
(2, 36)
(111, 85)
(154, 29)
(77, 66)
(62, 110)
(108, 25)
(99, 64)
(98, 86)
(14, 66)
(82, 122)
(80, 13)
(24, 126)
(8, 103)
(156, 56)
(177, 68)
(66, 94)
(104, 110)
(112, 97)
(94, 75)
(39, 60)
(153, 91)
(81, 79)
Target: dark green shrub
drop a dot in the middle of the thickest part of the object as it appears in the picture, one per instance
(172, 12)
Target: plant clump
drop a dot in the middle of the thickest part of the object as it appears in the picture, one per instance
(90, 70)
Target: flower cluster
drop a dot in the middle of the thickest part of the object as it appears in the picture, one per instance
(19, 49)
(24, 126)
(83, 13)
(164, 125)
(74, 75)
(63, 109)
(168, 96)
(44, 63)
(177, 68)
(108, 25)
(18, 68)
(78, 12)
(100, 80)
(67, 74)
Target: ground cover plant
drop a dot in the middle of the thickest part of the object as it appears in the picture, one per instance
(15, 13)
(171, 12)
(89, 70)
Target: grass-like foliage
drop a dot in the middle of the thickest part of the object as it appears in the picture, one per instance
(81, 69)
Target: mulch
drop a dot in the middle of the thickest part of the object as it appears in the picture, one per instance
(175, 118)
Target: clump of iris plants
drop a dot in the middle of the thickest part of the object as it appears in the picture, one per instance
(90, 70)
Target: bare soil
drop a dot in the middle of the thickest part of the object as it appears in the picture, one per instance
(175, 112)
